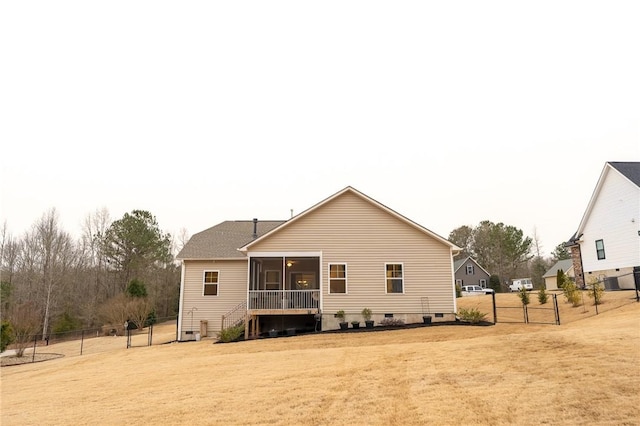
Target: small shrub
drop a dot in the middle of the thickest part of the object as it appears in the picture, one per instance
(543, 297)
(366, 314)
(571, 293)
(151, 318)
(458, 291)
(391, 322)
(561, 278)
(472, 315)
(523, 294)
(595, 290)
(340, 315)
(231, 334)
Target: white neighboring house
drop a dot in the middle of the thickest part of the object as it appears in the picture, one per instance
(606, 245)
(551, 276)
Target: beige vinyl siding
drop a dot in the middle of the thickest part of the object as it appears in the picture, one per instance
(351, 230)
(232, 290)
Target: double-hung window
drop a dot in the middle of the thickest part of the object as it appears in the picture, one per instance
(600, 249)
(272, 280)
(469, 269)
(337, 278)
(394, 277)
(211, 283)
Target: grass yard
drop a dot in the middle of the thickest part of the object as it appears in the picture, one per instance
(583, 372)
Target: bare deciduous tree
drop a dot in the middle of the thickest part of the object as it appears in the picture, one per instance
(54, 255)
(25, 323)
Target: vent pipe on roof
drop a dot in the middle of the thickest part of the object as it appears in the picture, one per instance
(255, 228)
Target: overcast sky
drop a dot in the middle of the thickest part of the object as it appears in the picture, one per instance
(448, 112)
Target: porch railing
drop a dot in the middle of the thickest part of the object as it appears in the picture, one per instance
(234, 317)
(284, 299)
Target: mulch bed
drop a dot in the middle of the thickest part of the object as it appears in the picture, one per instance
(7, 361)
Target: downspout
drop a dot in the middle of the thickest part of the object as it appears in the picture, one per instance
(181, 305)
(453, 284)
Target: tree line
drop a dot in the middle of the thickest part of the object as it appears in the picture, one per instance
(505, 252)
(117, 270)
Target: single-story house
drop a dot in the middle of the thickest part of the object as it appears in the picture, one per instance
(469, 272)
(551, 276)
(347, 252)
(606, 246)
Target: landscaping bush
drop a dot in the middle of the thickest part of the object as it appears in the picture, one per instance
(391, 322)
(571, 293)
(543, 297)
(595, 290)
(472, 315)
(231, 334)
(523, 294)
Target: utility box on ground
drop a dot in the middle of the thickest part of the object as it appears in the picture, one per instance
(203, 328)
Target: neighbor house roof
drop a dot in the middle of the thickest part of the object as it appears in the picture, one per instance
(369, 200)
(629, 169)
(458, 263)
(223, 240)
(565, 265)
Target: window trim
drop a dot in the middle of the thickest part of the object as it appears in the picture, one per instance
(600, 250)
(470, 268)
(216, 284)
(277, 283)
(386, 286)
(346, 287)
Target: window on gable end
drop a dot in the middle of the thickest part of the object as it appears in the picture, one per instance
(600, 249)
(211, 283)
(337, 278)
(394, 277)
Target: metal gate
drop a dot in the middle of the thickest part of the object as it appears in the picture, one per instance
(527, 314)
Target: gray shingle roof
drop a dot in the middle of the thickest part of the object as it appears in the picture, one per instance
(629, 169)
(565, 265)
(223, 240)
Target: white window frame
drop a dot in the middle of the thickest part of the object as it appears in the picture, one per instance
(459, 282)
(600, 249)
(277, 283)
(205, 283)
(469, 269)
(386, 287)
(483, 283)
(346, 287)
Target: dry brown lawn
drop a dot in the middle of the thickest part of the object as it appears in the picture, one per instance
(584, 372)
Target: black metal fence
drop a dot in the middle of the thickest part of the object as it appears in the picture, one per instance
(557, 309)
(90, 341)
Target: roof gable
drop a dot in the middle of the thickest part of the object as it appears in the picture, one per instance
(458, 263)
(565, 265)
(371, 201)
(629, 170)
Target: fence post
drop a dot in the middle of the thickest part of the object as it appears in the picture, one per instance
(35, 343)
(556, 309)
(495, 314)
(81, 341)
